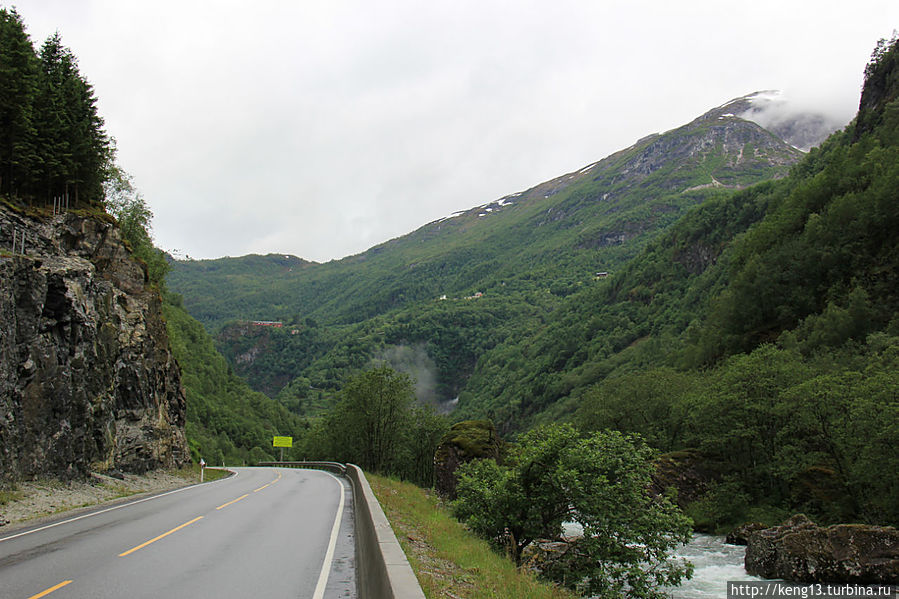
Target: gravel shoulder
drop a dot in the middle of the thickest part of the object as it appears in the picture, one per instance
(29, 502)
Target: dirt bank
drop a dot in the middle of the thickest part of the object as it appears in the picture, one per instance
(32, 501)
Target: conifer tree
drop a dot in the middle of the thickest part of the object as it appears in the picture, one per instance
(18, 86)
(74, 147)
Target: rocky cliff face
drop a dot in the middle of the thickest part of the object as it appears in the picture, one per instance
(87, 378)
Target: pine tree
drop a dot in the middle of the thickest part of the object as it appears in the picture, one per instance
(18, 86)
(51, 119)
(74, 147)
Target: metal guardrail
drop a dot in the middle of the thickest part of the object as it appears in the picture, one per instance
(333, 466)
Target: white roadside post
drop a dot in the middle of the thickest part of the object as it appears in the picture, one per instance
(202, 468)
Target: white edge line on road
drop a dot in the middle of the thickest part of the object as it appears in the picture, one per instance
(329, 556)
(109, 509)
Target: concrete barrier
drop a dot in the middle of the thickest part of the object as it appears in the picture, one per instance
(382, 570)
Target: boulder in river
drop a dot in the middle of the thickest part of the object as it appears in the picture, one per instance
(801, 551)
(740, 535)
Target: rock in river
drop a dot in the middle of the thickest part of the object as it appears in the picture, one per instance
(801, 551)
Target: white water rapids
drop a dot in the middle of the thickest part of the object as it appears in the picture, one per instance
(714, 563)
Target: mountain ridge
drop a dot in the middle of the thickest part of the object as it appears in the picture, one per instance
(530, 247)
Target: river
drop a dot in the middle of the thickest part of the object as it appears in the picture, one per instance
(715, 562)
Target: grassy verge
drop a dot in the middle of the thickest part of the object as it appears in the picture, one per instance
(448, 560)
(10, 494)
(211, 474)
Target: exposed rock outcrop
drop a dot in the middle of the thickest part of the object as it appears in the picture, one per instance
(801, 551)
(740, 535)
(87, 378)
(685, 471)
(776, 112)
(549, 558)
(464, 442)
(881, 86)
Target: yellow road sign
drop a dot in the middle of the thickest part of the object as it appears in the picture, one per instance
(283, 442)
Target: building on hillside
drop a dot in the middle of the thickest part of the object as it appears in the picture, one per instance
(268, 323)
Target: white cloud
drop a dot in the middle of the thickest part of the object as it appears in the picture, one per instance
(323, 128)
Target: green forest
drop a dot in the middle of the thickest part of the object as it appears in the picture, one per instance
(52, 141)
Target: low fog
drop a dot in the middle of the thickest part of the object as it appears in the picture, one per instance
(415, 361)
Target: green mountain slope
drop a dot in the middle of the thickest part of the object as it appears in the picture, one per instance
(808, 262)
(758, 337)
(227, 422)
(524, 253)
(634, 320)
(562, 230)
(755, 338)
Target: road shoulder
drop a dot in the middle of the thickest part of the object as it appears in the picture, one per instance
(33, 502)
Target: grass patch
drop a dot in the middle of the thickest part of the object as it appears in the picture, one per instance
(448, 560)
(214, 473)
(191, 473)
(7, 495)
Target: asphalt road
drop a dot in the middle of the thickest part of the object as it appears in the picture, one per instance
(267, 532)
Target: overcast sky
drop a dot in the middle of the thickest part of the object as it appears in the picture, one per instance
(323, 127)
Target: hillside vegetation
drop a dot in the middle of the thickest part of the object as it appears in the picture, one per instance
(503, 269)
(227, 422)
(761, 331)
(808, 263)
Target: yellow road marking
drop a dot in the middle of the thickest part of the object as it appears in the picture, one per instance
(232, 501)
(165, 534)
(268, 485)
(50, 590)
